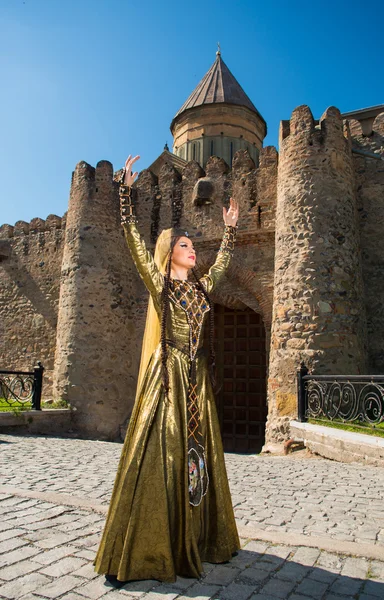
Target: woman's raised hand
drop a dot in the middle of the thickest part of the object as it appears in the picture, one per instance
(232, 214)
(130, 177)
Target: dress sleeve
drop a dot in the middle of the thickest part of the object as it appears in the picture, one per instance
(215, 273)
(144, 261)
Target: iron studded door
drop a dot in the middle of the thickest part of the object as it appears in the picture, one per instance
(241, 371)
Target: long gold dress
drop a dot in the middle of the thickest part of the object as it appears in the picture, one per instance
(152, 530)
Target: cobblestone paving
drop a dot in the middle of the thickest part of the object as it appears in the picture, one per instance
(46, 548)
(307, 496)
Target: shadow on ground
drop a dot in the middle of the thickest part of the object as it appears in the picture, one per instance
(252, 575)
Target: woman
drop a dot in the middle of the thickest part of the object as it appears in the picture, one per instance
(171, 507)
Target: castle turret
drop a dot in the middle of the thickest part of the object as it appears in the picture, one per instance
(217, 119)
(95, 357)
(318, 308)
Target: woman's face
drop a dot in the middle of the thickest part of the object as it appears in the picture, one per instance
(183, 254)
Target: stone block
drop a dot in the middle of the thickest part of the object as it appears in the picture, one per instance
(162, 593)
(221, 575)
(63, 567)
(254, 574)
(373, 588)
(346, 586)
(315, 590)
(10, 533)
(94, 589)
(11, 543)
(18, 555)
(58, 587)
(278, 588)
(237, 591)
(18, 569)
(340, 445)
(296, 343)
(292, 571)
(87, 571)
(48, 557)
(23, 585)
(201, 591)
(286, 403)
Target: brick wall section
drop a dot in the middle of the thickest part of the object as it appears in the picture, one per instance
(29, 294)
(318, 311)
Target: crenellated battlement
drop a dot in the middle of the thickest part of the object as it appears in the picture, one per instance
(83, 175)
(83, 171)
(268, 157)
(36, 225)
(301, 121)
(332, 129)
(193, 197)
(303, 128)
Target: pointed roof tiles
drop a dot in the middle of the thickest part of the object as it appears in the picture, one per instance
(218, 86)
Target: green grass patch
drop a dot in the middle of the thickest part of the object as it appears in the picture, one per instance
(56, 404)
(354, 426)
(14, 407)
(17, 408)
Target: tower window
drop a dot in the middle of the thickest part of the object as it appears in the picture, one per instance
(194, 152)
(212, 148)
(231, 151)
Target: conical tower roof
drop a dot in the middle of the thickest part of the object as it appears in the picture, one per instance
(218, 86)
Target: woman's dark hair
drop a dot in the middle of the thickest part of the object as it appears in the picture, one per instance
(177, 234)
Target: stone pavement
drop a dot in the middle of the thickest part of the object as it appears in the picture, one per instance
(311, 529)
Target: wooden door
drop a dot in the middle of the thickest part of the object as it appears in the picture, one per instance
(241, 371)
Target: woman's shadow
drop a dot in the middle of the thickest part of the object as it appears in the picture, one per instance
(268, 576)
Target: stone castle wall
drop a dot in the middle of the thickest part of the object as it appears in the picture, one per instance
(318, 310)
(29, 294)
(100, 308)
(309, 259)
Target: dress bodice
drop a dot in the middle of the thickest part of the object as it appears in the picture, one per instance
(193, 302)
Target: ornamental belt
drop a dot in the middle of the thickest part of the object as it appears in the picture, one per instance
(197, 462)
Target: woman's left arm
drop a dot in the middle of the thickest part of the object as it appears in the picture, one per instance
(221, 264)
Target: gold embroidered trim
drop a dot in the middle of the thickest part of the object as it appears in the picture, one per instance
(229, 238)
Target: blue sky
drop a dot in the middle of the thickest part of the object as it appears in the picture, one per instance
(98, 79)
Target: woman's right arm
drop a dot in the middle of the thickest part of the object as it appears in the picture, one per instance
(143, 259)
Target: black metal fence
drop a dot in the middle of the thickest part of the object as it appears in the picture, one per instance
(19, 388)
(346, 398)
